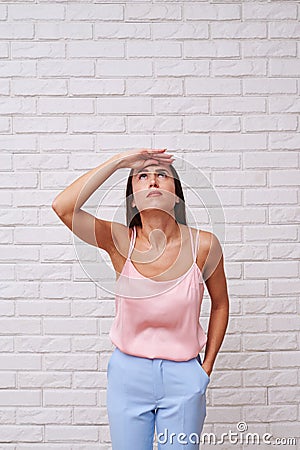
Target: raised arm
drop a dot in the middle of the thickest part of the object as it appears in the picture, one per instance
(67, 204)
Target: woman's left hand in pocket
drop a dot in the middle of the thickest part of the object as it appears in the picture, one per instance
(207, 368)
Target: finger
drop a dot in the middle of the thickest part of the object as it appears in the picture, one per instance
(169, 158)
(165, 160)
(165, 155)
(152, 161)
(155, 150)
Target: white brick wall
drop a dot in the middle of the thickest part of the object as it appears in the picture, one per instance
(217, 81)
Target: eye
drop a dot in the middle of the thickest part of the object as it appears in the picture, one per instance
(159, 173)
(141, 175)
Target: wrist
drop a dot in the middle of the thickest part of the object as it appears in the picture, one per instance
(118, 161)
(208, 363)
(207, 367)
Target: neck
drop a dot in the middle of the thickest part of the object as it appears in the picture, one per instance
(158, 229)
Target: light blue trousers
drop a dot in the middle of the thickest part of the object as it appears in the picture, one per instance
(143, 393)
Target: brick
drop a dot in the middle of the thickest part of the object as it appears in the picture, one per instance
(39, 87)
(212, 86)
(21, 105)
(263, 48)
(263, 11)
(241, 30)
(89, 12)
(5, 125)
(157, 12)
(40, 124)
(269, 86)
(17, 68)
(63, 30)
(128, 30)
(16, 31)
(285, 29)
(36, 12)
(95, 49)
(238, 68)
(212, 12)
(20, 433)
(68, 106)
(44, 416)
(38, 49)
(240, 104)
(211, 49)
(65, 68)
(128, 68)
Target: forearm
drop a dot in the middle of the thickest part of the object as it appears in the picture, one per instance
(216, 331)
(75, 195)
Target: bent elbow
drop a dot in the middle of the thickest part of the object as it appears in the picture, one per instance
(57, 208)
(54, 205)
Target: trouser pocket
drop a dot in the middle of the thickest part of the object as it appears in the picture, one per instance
(199, 363)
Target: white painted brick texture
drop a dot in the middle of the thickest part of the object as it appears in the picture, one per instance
(215, 81)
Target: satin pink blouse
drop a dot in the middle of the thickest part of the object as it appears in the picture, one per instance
(159, 319)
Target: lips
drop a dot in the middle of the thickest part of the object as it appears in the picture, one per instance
(154, 193)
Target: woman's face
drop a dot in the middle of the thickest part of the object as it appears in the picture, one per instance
(154, 187)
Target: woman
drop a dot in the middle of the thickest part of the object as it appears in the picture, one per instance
(155, 373)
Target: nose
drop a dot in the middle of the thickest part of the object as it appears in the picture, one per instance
(153, 179)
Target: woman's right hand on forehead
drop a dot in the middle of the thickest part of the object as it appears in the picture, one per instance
(140, 158)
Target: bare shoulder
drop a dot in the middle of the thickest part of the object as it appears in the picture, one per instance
(121, 235)
(209, 251)
(210, 242)
(118, 250)
(206, 238)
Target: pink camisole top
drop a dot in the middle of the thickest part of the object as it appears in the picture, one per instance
(159, 319)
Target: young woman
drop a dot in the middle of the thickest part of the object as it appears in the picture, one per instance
(155, 373)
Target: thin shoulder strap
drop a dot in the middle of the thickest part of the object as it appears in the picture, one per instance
(132, 241)
(195, 248)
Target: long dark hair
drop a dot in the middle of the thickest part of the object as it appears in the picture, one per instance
(133, 217)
